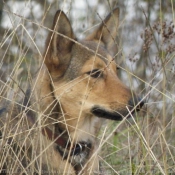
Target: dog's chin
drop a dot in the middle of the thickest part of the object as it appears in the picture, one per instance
(104, 113)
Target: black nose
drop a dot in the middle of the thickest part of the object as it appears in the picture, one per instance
(136, 102)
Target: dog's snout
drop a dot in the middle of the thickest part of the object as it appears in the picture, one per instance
(136, 102)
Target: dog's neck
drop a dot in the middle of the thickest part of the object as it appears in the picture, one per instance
(77, 153)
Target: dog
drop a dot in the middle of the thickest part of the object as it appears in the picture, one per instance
(76, 89)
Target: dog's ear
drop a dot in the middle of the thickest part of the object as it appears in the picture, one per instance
(107, 31)
(58, 45)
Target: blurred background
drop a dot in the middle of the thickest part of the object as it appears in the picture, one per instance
(145, 53)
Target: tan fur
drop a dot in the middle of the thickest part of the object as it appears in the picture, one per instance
(64, 92)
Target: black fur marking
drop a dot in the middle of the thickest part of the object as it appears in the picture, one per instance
(2, 111)
(26, 106)
(103, 113)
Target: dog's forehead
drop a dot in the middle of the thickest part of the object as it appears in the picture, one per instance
(87, 49)
(83, 52)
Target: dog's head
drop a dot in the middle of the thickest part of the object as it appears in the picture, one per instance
(84, 74)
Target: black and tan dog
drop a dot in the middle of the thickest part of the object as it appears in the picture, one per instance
(75, 90)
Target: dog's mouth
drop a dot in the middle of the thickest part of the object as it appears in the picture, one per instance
(112, 115)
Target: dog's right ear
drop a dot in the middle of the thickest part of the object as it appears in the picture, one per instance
(107, 31)
(58, 45)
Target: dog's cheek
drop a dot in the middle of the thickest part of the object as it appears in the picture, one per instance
(117, 106)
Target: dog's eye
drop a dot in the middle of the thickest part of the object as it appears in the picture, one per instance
(117, 68)
(95, 73)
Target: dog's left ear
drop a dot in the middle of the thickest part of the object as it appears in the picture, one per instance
(59, 45)
(107, 31)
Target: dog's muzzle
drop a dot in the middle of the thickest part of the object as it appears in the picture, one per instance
(134, 104)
